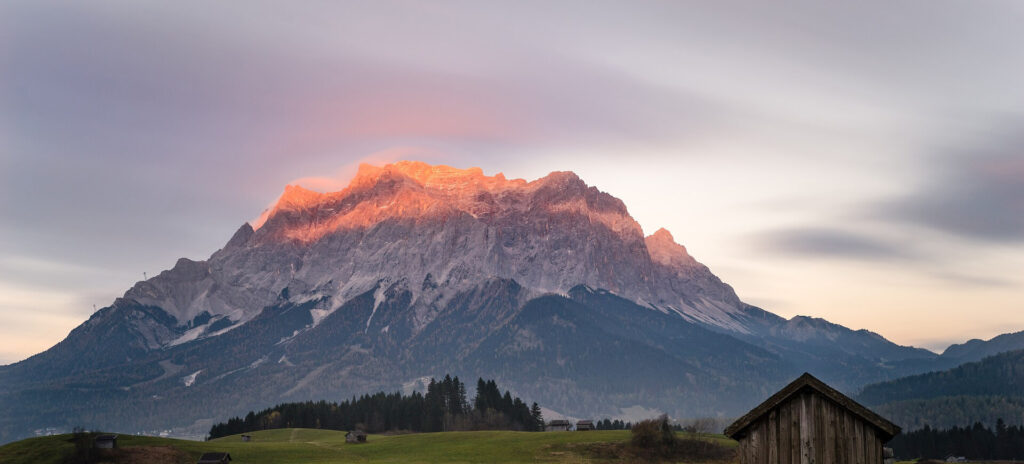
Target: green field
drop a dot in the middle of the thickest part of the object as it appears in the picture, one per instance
(326, 446)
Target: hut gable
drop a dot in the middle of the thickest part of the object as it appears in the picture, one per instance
(810, 422)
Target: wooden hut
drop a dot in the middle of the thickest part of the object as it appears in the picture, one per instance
(356, 436)
(584, 425)
(558, 425)
(105, 441)
(809, 422)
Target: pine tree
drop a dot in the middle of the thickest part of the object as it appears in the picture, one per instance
(507, 406)
(480, 402)
(538, 417)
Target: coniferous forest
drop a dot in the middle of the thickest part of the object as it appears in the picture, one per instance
(975, 442)
(443, 408)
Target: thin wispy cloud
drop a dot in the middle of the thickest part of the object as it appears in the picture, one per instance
(974, 191)
(831, 243)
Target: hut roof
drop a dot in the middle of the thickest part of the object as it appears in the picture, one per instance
(356, 433)
(106, 437)
(808, 381)
(559, 422)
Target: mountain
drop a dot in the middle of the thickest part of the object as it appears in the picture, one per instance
(982, 391)
(548, 286)
(974, 350)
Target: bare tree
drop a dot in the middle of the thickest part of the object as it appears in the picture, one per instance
(702, 425)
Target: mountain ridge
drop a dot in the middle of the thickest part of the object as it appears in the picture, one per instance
(982, 390)
(496, 208)
(976, 349)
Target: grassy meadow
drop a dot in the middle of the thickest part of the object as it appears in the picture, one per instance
(327, 446)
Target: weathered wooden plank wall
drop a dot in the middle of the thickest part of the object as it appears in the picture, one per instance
(810, 429)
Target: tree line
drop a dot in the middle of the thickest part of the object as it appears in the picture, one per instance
(999, 375)
(444, 407)
(608, 424)
(974, 442)
(948, 411)
(698, 425)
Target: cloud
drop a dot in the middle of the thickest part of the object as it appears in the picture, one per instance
(972, 280)
(826, 242)
(975, 192)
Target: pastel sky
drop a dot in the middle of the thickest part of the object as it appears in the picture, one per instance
(857, 161)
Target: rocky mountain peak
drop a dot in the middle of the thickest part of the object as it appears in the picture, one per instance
(664, 250)
(663, 234)
(438, 177)
(297, 197)
(420, 191)
(241, 236)
(401, 222)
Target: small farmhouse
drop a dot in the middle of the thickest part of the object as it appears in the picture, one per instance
(809, 422)
(356, 436)
(105, 442)
(558, 425)
(585, 425)
(214, 458)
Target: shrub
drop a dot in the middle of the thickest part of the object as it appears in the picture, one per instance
(654, 433)
(654, 440)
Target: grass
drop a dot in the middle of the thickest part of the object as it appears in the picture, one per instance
(326, 446)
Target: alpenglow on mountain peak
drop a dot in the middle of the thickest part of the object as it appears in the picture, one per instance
(435, 231)
(414, 189)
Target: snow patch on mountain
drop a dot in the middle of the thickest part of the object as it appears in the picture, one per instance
(636, 413)
(291, 337)
(418, 384)
(190, 379)
(551, 414)
(318, 315)
(378, 297)
(189, 335)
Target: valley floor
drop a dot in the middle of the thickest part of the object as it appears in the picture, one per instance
(326, 446)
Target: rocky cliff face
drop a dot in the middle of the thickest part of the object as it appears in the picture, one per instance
(416, 270)
(435, 230)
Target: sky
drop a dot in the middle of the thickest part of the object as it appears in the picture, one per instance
(857, 161)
